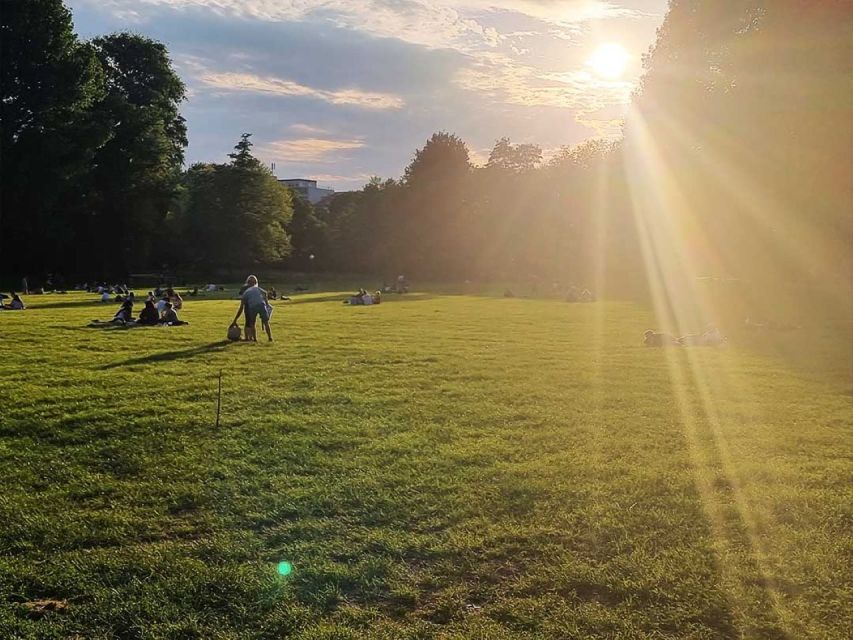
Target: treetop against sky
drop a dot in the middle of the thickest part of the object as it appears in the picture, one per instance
(343, 90)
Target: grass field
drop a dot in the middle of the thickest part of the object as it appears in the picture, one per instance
(434, 467)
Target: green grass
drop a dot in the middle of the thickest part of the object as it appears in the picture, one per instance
(434, 467)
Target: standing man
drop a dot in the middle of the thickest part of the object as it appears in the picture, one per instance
(254, 302)
(25, 289)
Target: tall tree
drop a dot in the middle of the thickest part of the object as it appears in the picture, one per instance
(746, 107)
(237, 213)
(434, 230)
(136, 173)
(49, 83)
(307, 233)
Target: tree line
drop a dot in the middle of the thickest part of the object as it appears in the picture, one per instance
(736, 152)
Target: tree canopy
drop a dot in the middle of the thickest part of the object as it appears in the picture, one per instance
(236, 214)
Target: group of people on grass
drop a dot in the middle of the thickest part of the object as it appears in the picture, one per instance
(150, 315)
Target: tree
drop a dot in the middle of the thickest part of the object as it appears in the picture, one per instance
(444, 158)
(432, 231)
(307, 234)
(237, 213)
(135, 174)
(750, 122)
(49, 83)
(515, 158)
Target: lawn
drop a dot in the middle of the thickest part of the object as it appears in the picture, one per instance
(439, 466)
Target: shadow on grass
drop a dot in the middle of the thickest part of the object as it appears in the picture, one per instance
(70, 304)
(167, 356)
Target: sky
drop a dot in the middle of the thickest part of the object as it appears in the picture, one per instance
(342, 90)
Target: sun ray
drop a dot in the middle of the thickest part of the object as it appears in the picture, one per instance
(663, 222)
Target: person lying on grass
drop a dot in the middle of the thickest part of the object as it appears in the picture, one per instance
(654, 339)
(255, 303)
(711, 337)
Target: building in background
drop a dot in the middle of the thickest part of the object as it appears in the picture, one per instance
(308, 188)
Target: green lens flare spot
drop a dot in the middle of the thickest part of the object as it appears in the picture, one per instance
(284, 568)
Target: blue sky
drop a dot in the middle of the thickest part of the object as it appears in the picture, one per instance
(341, 90)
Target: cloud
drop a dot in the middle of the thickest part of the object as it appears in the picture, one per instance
(504, 79)
(268, 84)
(562, 12)
(307, 150)
(307, 129)
(453, 24)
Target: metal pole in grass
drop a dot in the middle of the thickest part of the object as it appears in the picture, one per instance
(219, 399)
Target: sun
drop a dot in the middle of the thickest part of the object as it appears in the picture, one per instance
(609, 60)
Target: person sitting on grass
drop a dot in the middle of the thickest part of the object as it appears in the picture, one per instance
(175, 299)
(170, 317)
(653, 339)
(255, 303)
(161, 303)
(272, 294)
(105, 296)
(125, 314)
(122, 318)
(572, 294)
(148, 316)
(17, 304)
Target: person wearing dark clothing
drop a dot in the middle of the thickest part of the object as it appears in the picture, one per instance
(149, 315)
(17, 304)
(125, 314)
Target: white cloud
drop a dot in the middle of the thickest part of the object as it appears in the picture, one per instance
(307, 129)
(307, 150)
(431, 23)
(268, 84)
(504, 79)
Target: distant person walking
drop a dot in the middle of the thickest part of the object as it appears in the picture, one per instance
(253, 301)
(25, 288)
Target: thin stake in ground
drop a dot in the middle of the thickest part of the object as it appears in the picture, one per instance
(219, 399)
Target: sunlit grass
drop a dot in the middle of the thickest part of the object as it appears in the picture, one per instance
(436, 466)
